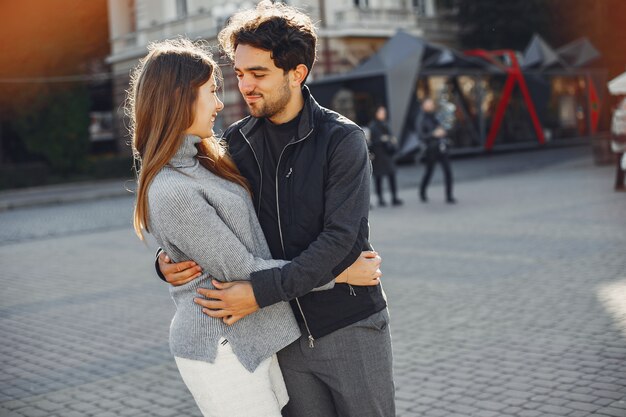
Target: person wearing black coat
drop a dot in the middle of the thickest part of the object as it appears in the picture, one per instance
(383, 146)
(433, 136)
(618, 143)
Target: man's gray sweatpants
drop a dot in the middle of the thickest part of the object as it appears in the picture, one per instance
(347, 374)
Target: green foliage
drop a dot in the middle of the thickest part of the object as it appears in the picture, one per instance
(56, 127)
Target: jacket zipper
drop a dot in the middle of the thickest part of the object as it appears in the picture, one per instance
(258, 164)
(280, 232)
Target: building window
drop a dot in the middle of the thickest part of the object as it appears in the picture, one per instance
(419, 7)
(181, 8)
(363, 4)
(426, 8)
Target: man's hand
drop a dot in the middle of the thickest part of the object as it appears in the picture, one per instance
(365, 271)
(230, 301)
(180, 273)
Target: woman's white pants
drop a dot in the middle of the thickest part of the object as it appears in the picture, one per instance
(226, 389)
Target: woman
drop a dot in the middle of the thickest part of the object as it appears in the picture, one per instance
(383, 146)
(196, 204)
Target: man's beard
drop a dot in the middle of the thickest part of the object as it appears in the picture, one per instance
(270, 109)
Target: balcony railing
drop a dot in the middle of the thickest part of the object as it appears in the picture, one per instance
(439, 29)
(379, 19)
(202, 25)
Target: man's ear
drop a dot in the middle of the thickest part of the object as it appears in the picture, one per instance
(298, 75)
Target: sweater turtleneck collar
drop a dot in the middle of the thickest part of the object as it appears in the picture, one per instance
(185, 156)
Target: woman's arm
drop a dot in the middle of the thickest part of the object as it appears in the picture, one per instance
(193, 226)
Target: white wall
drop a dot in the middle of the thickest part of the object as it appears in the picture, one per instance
(149, 12)
(121, 17)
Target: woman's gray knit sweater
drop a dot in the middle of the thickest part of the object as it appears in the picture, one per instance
(194, 214)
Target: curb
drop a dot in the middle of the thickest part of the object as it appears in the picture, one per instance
(65, 193)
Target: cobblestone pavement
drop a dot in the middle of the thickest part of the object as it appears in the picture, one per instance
(511, 303)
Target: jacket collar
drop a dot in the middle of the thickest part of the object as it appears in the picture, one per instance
(305, 126)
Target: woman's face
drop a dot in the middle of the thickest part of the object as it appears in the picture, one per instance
(205, 110)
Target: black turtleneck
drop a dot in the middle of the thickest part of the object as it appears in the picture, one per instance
(275, 138)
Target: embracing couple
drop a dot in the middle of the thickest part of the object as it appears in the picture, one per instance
(272, 214)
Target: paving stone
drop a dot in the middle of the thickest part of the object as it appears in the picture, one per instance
(619, 404)
(461, 409)
(490, 405)
(582, 406)
(554, 409)
(580, 397)
(577, 413)
(514, 401)
(613, 412)
(487, 413)
(73, 413)
(436, 413)
(13, 405)
(164, 412)
(529, 413)
(32, 412)
(603, 402)
(47, 405)
(517, 394)
(555, 401)
(11, 414)
(608, 394)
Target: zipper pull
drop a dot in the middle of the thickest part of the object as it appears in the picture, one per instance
(352, 292)
(311, 342)
(289, 173)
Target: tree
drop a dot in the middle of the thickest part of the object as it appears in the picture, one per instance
(56, 127)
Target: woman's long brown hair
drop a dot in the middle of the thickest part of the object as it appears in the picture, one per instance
(160, 103)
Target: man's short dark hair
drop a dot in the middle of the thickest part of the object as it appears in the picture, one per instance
(287, 33)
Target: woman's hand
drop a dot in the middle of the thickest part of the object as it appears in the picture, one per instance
(365, 271)
(180, 273)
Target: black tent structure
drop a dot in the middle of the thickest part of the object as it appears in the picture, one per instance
(540, 55)
(578, 53)
(389, 77)
(407, 68)
(570, 65)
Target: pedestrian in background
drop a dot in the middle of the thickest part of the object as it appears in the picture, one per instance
(434, 138)
(618, 143)
(383, 146)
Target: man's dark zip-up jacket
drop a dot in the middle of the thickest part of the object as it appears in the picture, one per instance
(322, 194)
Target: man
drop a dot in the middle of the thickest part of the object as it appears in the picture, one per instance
(309, 171)
(433, 135)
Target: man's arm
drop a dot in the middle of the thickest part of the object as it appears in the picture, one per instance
(345, 221)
